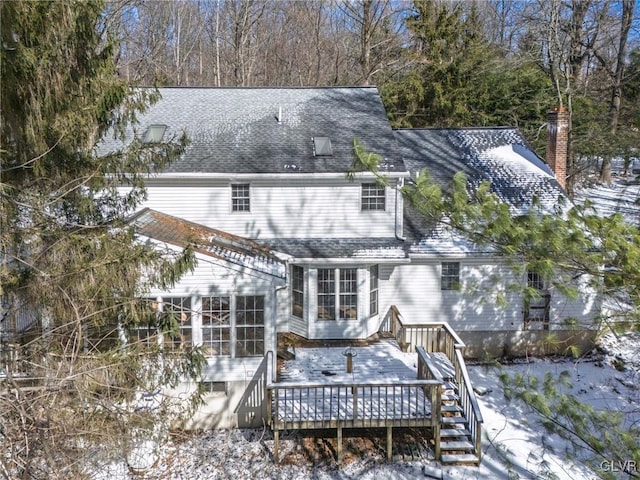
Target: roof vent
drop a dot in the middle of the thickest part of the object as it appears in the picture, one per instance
(322, 147)
(279, 117)
(154, 134)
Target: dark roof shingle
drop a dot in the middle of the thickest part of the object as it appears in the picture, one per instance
(270, 130)
(500, 156)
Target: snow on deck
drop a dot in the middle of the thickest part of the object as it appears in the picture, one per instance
(315, 390)
(380, 362)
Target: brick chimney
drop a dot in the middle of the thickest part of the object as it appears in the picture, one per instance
(558, 143)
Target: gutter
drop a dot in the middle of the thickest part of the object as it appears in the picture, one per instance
(270, 176)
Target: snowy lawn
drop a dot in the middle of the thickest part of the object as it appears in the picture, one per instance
(516, 445)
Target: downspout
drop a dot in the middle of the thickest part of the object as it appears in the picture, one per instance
(274, 365)
(399, 224)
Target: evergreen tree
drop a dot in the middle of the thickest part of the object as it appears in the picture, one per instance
(572, 249)
(73, 276)
(461, 79)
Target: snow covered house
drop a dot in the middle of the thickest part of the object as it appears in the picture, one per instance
(289, 244)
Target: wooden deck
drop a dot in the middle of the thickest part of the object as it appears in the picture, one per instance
(382, 390)
(416, 378)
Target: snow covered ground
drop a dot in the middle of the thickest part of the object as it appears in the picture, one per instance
(515, 444)
(622, 196)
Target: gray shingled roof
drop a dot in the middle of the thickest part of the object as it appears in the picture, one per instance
(236, 130)
(328, 248)
(500, 156)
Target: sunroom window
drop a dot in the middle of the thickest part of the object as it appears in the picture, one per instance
(297, 291)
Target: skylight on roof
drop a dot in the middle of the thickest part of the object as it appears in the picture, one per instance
(322, 147)
(154, 134)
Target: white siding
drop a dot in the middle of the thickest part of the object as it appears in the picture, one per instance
(219, 278)
(483, 303)
(293, 209)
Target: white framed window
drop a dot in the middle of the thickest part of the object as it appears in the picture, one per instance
(179, 309)
(373, 290)
(233, 326)
(450, 276)
(337, 293)
(216, 325)
(373, 196)
(146, 333)
(240, 197)
(297, 291)
(537, 302)
(215, 388)
(535, 280)
(249, 326)
(326, 294)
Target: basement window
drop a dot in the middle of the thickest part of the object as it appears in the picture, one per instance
(154, 134)
(218, 388)
(322, 147)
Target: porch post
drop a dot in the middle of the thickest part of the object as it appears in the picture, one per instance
(389, 442)
(339, 447)
(276, 445)
(436, 416)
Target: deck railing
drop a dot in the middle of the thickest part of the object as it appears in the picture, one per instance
(440, 337)
(353, 405)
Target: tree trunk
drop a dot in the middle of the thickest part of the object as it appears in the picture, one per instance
(628, 7)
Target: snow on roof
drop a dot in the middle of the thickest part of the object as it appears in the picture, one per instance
(269, 130)
(500, 156)
(445, 241)
(208, 241)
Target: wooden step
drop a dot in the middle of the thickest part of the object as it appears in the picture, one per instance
(454, 432)
(463, 458)
(449, 397)
(457, 445)
(450, 408)
(450, 386)
(443, 364)
(453, 420)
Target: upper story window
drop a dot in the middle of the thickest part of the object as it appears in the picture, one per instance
(297, 291)
(337, 293)
(240, 199)
(373, 196)
(450, 276)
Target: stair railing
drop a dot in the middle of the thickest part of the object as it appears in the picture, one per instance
(440, 337)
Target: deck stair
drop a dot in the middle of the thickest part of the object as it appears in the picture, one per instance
(456, 442)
